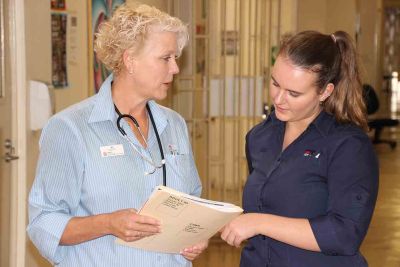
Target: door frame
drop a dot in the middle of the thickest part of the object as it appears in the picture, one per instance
(18, 194)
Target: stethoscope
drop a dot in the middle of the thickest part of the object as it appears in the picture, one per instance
(151, 160)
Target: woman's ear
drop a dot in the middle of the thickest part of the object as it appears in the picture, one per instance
(128, 61)
(327, 92)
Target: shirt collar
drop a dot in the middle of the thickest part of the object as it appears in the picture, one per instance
(323, 122)
(160, 119)
(103, 109)
(274, 120)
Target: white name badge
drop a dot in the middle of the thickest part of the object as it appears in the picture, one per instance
(112, 151)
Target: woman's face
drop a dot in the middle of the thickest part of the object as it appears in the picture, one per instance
(155, 65)
(293, 92)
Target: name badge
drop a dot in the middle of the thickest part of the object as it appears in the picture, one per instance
(112, 151)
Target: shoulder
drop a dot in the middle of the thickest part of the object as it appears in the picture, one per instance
(349, 144)
(264, 128)
(80, 110)
(348, 133)
(71, 118)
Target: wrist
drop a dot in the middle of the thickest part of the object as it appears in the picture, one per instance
(104, 221)
(261, 222)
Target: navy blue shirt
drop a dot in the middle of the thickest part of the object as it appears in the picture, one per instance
(328, 175)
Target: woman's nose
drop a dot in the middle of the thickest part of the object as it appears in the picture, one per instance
(279, 97)
(174, 69)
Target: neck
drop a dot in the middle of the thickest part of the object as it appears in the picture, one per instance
(301, 126)
(126, 100)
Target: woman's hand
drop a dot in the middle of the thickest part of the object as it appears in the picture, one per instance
(240, 229)
(130, 226)
(193, 252)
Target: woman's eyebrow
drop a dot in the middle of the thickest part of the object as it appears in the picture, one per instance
(272, 77)
(288, 89)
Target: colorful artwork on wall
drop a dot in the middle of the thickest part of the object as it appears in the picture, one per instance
(59, 50)
(100, 10)
(58, 4)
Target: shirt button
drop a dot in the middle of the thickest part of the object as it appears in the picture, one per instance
(359, 197)
(335, 254)
(159, 258)
(263, 237)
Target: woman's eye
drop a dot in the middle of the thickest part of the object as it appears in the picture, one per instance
(166, 58)
(275, 84)
(294, 94)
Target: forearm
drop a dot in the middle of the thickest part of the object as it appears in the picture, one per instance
(292, 231)
(82, 229)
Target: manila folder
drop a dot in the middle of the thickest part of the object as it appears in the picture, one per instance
(185, 220)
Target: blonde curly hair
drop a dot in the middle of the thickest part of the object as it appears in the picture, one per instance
(128, 28)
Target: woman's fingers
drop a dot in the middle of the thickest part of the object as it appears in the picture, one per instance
(142, 219)
(130, 226)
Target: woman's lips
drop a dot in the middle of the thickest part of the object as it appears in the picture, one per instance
(280, 109)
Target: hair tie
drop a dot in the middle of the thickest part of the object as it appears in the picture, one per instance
(333, 37)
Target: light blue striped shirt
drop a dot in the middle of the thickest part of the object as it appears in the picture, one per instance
(73, 179)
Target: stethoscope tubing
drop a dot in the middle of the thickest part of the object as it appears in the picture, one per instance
(125, 136)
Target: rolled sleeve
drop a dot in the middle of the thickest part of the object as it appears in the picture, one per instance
(46, 231)
(54, 195)
(353, 185)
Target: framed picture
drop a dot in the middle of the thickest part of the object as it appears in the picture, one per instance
(59, 72)
(230, 42)
(58, 4)
(99, 11)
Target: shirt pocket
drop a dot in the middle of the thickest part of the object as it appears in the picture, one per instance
(178, 167)
(310, 168)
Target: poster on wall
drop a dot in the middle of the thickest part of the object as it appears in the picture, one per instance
(58, 4)
(59, 50)
(100, 11)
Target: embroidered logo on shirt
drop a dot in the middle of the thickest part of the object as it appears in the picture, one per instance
(311, 153)
(173, 150)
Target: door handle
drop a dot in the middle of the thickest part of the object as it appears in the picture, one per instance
(9, 155)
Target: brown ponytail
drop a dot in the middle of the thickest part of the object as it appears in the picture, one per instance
(334, 59)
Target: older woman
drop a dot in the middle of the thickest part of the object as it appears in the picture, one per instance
(100, 159)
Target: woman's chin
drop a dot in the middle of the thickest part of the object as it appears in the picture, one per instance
(280, 116)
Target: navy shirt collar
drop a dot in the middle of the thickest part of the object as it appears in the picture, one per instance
(323, 122)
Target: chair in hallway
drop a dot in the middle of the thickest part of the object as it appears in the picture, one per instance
(378, 124)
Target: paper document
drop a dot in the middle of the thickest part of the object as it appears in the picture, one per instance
(185, 220)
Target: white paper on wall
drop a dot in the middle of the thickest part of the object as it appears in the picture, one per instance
(39, 105)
